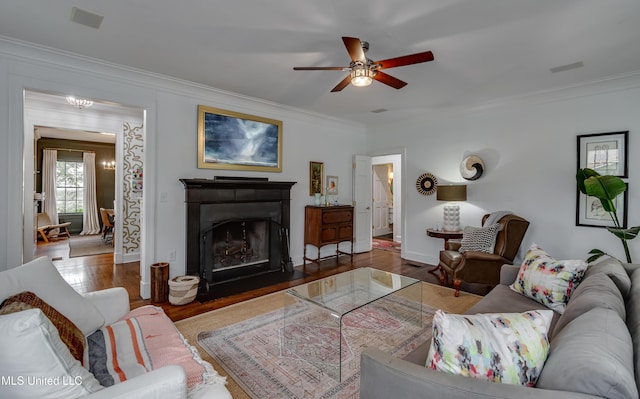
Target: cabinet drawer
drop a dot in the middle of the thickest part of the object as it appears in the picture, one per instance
(337, 216)
(345, 232)
(329, 234)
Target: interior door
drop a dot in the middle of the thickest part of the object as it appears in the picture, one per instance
(362, 178)
(380, 200)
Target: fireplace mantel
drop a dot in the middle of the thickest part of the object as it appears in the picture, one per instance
(211, 200)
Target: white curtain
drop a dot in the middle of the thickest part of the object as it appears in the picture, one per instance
(49, 159)
(90, 222)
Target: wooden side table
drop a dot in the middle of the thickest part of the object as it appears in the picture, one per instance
(446, 236)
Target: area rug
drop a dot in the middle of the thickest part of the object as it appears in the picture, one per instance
(271, 360)
(433, 295)
(386, 245)
(88, 245)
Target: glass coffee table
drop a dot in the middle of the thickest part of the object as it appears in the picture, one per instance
(318, 337)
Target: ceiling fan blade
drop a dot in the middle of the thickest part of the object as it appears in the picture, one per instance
(344, 83)
(320, 68)
(354, 48)
(406, 60)
(389, 80)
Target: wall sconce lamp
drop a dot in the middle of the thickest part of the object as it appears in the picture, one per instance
(110, 165)
(451, 193)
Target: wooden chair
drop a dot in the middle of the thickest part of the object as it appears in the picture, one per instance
(107, 224)
(45, 227)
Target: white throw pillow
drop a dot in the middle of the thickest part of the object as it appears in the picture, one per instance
(41, 277)
(35, 363)
(509, 348)
(548, 281)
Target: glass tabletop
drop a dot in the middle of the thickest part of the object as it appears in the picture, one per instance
(345, 292)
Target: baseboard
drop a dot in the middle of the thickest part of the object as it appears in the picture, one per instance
(135, 257)
(145, 290)
(418, 257)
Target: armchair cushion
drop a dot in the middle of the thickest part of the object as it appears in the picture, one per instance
(37, 361)
(70, 335)
(54, 290)
(481, 239)
(548, 281)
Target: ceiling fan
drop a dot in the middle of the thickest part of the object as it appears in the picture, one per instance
(362, 70)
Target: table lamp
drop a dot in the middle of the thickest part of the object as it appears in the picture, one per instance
(452, 192)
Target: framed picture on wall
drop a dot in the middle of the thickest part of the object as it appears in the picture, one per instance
(607, 154)
(235, 141)
(316, 176)
(590, 212)
(332, 185)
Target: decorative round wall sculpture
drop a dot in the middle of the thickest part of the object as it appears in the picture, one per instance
(426, 184)
(472, 167)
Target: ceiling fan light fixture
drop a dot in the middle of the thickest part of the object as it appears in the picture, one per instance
(79, 103)
(361, 77)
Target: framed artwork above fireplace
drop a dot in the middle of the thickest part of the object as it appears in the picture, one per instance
(235, 141)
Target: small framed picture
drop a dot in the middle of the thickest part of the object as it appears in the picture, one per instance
(332, 185)
(316, 174)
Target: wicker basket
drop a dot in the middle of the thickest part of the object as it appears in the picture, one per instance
(183, 289)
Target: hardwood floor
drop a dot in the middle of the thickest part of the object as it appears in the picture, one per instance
(92, 273)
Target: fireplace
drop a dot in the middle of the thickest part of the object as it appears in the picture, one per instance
(237, 230)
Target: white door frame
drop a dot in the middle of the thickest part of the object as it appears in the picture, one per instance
(21, 183)
(397, 159)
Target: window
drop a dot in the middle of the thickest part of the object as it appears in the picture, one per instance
(69, 186)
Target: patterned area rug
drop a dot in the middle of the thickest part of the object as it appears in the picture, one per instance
(88, 245)
(269, 360)
(386, 245)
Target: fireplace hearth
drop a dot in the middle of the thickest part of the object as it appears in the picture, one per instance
(237, 234)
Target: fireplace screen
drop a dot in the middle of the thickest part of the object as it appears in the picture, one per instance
(238, 243)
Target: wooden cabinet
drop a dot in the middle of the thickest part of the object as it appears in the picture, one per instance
(325, 225)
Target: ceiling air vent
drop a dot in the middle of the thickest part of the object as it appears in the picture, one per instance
(86, 18)
(379, 110)
(567, 67)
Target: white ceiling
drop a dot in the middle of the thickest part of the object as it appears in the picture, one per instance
(485, 50)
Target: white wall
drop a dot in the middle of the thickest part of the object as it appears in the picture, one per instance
(170, 144)
(529, 149)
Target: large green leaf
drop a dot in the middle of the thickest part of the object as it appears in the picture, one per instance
(625, 234)
(606, 189)
(582, 175)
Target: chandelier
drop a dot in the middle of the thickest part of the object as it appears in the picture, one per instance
(79, 103)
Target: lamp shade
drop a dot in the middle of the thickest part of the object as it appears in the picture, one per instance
(452, 192)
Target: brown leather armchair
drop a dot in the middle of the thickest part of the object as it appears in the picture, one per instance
(482, 267)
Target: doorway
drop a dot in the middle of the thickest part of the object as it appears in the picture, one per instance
(52, 110)
(387, 198)
(61, 177)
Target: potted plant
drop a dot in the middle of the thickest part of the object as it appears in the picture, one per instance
(606, 188)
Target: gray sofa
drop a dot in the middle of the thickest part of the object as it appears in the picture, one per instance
(594, 351)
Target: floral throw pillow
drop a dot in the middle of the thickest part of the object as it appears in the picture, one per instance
(508, 348)
(548, 281)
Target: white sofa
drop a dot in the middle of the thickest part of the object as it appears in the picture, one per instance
(34, 361)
